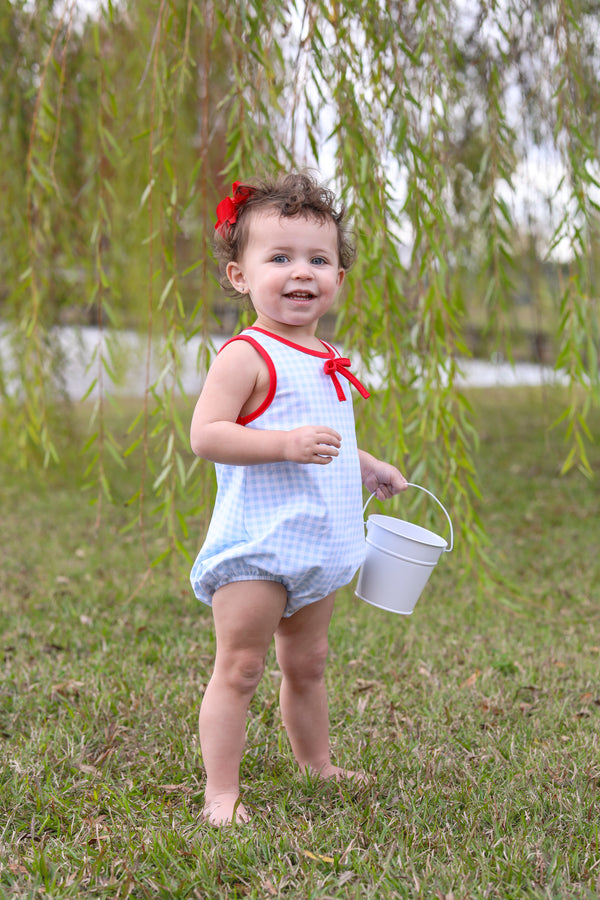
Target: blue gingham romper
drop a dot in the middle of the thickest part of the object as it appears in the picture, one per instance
(297, 524)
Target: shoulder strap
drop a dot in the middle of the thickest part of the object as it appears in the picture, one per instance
(330, 347)
(243, 420)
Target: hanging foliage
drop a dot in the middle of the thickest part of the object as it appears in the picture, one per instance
(119, 132)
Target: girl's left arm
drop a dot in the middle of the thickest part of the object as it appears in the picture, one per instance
(380, 477)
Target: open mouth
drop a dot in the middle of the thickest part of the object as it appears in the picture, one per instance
(300, 296)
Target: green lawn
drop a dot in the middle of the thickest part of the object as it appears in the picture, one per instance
(476, 718)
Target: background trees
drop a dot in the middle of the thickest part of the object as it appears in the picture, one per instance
(463, 137)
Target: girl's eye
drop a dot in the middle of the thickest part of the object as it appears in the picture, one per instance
(318, 261)
(280, 258)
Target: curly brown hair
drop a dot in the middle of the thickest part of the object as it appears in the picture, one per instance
(295, 194)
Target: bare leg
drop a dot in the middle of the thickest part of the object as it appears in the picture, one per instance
(246, 614)
(302, 646)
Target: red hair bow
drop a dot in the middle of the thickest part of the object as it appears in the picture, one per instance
(227, 209)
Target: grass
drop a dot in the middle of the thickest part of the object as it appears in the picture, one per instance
(476, 718)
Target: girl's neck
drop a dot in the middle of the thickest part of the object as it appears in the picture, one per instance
(303, 336)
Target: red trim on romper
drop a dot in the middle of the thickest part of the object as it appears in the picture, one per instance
(243, 420)
(330, 350)
(335, 365)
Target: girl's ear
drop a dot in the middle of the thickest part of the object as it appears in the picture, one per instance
(236, 277)
(340, 278)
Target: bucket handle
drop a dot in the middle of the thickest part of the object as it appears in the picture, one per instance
(408, 484)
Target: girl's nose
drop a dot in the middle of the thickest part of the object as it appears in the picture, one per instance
(301, 270)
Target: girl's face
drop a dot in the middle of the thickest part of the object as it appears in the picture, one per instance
(290, 268)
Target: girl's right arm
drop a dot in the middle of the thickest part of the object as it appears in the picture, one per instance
(236, 382)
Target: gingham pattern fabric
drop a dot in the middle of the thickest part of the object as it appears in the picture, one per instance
(297, 524)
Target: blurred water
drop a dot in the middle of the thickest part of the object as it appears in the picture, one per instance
(122, 362)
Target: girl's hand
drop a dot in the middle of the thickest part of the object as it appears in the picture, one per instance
(312, 444)
(380, 478)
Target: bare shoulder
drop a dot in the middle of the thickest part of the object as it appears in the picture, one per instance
(238, 360)
(241, 351)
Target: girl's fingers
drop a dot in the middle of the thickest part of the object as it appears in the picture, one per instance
(330, 437)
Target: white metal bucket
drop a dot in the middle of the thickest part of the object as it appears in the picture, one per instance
(400, 558)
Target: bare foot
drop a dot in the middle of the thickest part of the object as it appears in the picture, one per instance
(329, 772)
(224, 809)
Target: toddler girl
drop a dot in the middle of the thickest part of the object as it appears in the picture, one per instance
(275, 416)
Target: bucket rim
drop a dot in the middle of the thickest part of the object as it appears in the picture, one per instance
(409, 559)
(447, 549)
(442, 542)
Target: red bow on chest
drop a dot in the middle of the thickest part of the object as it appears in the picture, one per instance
(340, 366)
